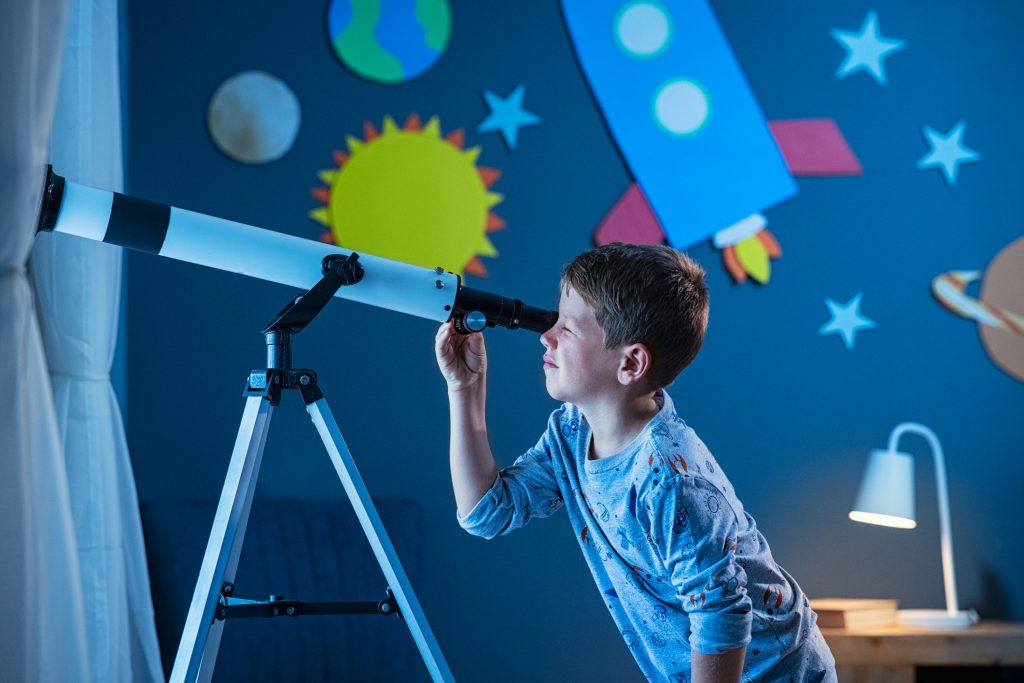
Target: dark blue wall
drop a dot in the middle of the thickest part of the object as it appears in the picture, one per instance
(790, 414)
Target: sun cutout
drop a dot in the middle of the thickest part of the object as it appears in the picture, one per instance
(410, 195)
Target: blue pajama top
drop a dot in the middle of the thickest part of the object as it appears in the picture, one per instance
(678, 561)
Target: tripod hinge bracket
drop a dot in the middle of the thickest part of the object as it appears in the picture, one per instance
(268, 383)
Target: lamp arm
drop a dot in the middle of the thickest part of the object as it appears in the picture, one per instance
(948, 574)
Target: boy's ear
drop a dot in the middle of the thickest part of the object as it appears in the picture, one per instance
(635, 363)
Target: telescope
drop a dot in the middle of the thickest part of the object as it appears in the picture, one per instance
(323, 272)
(142, 225)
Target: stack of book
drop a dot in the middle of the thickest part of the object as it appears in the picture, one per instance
(853, 613)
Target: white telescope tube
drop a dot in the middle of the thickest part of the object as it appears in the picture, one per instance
(164, 230)
(118, 219)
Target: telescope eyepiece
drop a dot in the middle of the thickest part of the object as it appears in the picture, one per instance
(475, 310)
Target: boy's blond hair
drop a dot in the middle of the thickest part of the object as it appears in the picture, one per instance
(648, 294)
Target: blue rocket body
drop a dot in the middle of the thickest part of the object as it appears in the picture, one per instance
(683, 115)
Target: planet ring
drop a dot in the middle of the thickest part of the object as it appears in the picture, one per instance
(951, 291)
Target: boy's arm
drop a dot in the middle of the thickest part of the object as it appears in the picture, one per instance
(695, 532)
(526, 490)
(723, 668)
(463, 363)
(472, 463)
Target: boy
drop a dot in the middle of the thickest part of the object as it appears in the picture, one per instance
(686, 575)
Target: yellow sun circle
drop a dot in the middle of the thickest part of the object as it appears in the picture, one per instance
(410, 195)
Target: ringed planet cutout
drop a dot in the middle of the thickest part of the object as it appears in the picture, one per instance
(999, 311)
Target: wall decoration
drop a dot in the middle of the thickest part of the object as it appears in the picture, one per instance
(814, 147)
(948, 152)
(999, 311)
(389, 41)
(846, 320)
(253, 117)
(507, 115)
(683, 117)
(643, 28)
(630, 220)
(410, 195)
(866, 50)
(810, 147)
(747, 249)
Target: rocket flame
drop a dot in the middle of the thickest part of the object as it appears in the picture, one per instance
(751, 256)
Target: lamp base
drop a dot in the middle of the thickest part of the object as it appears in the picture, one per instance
(936, 618)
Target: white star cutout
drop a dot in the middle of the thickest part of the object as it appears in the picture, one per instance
(948, 152)
(846, 320)
(865, 51)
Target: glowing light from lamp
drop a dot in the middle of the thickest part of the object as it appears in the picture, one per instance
(883, 520)
(887, 491)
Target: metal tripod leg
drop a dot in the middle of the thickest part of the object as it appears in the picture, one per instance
(359, 496)
(200, 640)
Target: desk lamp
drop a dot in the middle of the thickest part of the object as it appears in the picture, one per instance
(887, 498)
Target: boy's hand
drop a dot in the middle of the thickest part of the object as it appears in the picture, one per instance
(461, 358)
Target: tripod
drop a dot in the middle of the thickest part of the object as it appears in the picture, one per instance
(213, 601)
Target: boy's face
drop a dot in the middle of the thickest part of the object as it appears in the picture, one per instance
(577, 366)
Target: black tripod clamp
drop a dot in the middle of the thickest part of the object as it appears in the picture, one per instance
(339, 270)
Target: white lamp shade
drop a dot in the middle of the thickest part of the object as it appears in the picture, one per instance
(887, 491)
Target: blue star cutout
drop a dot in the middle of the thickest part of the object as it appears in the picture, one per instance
(846, 320)
(866, 50)
(948, 152)
(507, 115)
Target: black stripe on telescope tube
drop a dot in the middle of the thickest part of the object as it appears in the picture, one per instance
(137, 224)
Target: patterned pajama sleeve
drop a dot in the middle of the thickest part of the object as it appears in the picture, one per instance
(694, 530)
(524, 490)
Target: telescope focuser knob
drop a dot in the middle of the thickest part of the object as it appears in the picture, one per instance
(472, 321)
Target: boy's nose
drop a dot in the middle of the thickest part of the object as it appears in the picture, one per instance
(545, 340)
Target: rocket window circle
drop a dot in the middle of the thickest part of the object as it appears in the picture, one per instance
(643, 29)
(682, 107)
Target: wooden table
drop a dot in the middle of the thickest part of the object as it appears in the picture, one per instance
(890, 654)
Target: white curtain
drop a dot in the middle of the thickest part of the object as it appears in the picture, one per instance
(78, 285)
(42, 634)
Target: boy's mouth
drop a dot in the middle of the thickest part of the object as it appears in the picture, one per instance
(548, 363)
